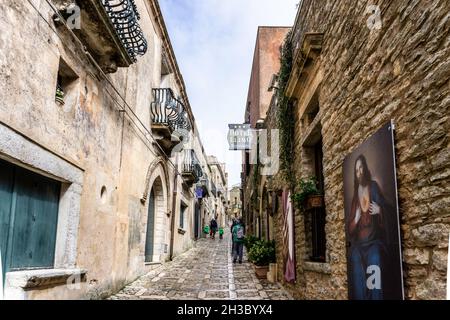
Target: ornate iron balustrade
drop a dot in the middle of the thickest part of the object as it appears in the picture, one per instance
(124, 16)
(167, 110)
(204, 184)
(191, 165)
(213, 189)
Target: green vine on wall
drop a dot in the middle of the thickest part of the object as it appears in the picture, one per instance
(255, 185)
(285, 114)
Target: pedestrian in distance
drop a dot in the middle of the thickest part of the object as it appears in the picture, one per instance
(232, 238)
(238, 241)
(213, 228)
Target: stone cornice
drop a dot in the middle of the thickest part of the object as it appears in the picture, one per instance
(310, 50)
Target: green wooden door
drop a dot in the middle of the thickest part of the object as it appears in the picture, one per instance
(150, 228)
(29, 216)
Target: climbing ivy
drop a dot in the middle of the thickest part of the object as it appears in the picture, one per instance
(285, 114)
(255, 185)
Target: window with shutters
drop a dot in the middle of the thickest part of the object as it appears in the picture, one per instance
(182, 215)
(28, 218)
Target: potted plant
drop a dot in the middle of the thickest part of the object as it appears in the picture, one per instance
(309, 195)
(249, 241)
(262, 254)
(59, 96)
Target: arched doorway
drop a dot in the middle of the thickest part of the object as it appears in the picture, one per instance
(197, 231)
(149, 242)
(156, 226)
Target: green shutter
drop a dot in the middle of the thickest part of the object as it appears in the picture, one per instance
(182, 217)
(28, 218)
(6, 192)
(35, 221)
(150, 227)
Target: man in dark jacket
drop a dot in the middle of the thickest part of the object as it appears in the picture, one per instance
(213, 226)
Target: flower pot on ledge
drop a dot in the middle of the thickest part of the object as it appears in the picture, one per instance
(314, 201)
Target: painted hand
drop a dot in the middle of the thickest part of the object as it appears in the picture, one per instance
(358, 215)
(374, 209)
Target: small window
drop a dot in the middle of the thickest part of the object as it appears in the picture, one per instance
(66, 85)
(183, 210)
(315, 218)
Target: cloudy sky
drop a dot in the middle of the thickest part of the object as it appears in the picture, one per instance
(214, 43)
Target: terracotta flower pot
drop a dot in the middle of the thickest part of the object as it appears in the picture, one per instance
(261, 271)
(314, 201)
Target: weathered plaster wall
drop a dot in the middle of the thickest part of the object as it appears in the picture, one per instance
(91, 132)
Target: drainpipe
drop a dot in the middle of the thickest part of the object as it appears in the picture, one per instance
(174, 207)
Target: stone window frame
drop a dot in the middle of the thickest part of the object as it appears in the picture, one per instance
(303, 86)
(20, 150)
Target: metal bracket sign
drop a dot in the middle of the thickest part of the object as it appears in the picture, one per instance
(240, 136)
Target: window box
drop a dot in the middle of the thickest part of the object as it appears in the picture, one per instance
(314, 201)
(181, 231)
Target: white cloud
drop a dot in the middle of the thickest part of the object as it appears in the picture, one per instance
(214, 43)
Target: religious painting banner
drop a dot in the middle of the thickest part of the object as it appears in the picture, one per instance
(288, 238)
(374, 265)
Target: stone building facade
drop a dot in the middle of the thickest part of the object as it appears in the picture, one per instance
(219, 178)
(357, 65)
(235, 202)
(96, 186)
(266, 63)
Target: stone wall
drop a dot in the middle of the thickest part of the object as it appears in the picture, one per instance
(368, 77)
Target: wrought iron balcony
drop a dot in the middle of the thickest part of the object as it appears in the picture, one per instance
(124, 16)
(109, 29)
(191, 171)
(204, 185)
(168, 116)
(213, 189)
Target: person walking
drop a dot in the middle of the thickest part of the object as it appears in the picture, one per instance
(232, 238)
(213, 228)
(238, 240)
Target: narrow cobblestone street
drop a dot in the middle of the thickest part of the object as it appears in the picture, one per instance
(206, 272)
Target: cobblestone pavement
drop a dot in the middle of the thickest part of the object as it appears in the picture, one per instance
(205, 272)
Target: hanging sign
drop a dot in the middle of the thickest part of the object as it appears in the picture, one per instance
(240, 136)
(374, 265)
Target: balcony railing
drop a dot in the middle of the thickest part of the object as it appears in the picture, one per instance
(191, 171)
(213, 189)
(109, 30)
(124, 16)
(169, 111)
(204, 184)
(168, 115)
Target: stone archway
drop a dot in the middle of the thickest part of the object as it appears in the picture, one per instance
(156, 221)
